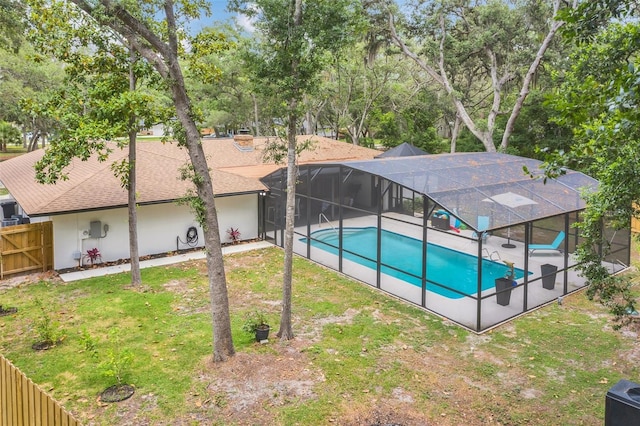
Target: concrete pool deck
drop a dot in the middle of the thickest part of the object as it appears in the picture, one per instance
(463, 310)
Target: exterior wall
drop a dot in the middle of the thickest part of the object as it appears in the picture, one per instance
(159, 227)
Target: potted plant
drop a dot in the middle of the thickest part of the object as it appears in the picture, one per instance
(256, 323)
(505, 284)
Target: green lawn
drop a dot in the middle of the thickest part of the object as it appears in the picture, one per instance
(359, 357)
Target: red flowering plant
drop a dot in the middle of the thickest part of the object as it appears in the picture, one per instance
(234, 235)
(93, 256)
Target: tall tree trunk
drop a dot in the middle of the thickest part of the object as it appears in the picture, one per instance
(454, 134)
(286, 331)
(256, 117)
(221, 321)
(134, 256)
(163, 56)
(33, 143)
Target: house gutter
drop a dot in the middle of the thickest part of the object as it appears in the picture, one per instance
(147, 203)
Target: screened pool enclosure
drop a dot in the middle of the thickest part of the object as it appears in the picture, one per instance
(468, 236)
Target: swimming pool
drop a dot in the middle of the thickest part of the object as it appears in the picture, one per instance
(402, 258)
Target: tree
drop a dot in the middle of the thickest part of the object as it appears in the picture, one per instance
(478, 54)
(599, 99)
(153, 31)
(296, 37)
(11, 24)
(356, 84)
(21, 78)
(108, 108)
(229, 100)
(8, 134)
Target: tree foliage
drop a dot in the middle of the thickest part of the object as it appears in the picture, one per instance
(22, 79)
(11, 24)
(599, 98)
(484, 56)
(8, 135)
(296, 38)
(155, 31)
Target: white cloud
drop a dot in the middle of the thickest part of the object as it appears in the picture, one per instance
(246, 23)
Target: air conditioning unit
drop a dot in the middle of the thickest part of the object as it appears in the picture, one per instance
(622, 405)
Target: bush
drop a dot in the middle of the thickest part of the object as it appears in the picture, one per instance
(254, 320)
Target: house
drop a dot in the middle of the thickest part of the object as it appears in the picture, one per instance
(89, 210)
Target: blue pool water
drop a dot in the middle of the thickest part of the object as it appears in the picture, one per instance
(447, 267)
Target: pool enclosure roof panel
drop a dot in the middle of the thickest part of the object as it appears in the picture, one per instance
(476, 184)
(491, 184)
(403, 150)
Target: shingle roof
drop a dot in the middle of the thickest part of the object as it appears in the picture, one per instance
(92, 184)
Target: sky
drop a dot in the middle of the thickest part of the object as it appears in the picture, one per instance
(219, 13)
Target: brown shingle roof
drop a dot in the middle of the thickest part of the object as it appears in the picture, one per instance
(92, 185)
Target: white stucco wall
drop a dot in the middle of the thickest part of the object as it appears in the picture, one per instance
(158, 227)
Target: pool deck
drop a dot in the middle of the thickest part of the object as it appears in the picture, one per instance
(463, 310)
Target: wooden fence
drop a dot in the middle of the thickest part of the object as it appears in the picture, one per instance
(26, 248)
(635, 225)
(23, 403)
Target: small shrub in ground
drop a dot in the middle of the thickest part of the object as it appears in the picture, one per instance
(93, 256)
(89, 343)
(234, 234)
(114, 363)
(48, 330)
(116, 360)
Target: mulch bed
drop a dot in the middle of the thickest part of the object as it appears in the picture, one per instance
(7, 311)
(126, 261)
(117, 393)
(147, 257)
(42, 346)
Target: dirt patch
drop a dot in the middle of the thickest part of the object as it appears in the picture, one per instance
(244, 389)
(15, 281)
(191, 300)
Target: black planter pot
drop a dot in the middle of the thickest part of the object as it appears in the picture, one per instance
(503, 290)
(548, 275)
(262, 333)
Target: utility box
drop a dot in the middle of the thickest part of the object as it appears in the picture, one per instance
(95, 229)
(622, 405)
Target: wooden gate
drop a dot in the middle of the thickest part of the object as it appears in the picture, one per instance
(25, 248)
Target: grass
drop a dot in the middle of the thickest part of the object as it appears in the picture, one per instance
(361, 356)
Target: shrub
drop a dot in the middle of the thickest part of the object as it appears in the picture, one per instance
(234, 235)
(254, 320)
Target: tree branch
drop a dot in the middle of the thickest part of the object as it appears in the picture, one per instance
(524, 90)
(132, 29)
